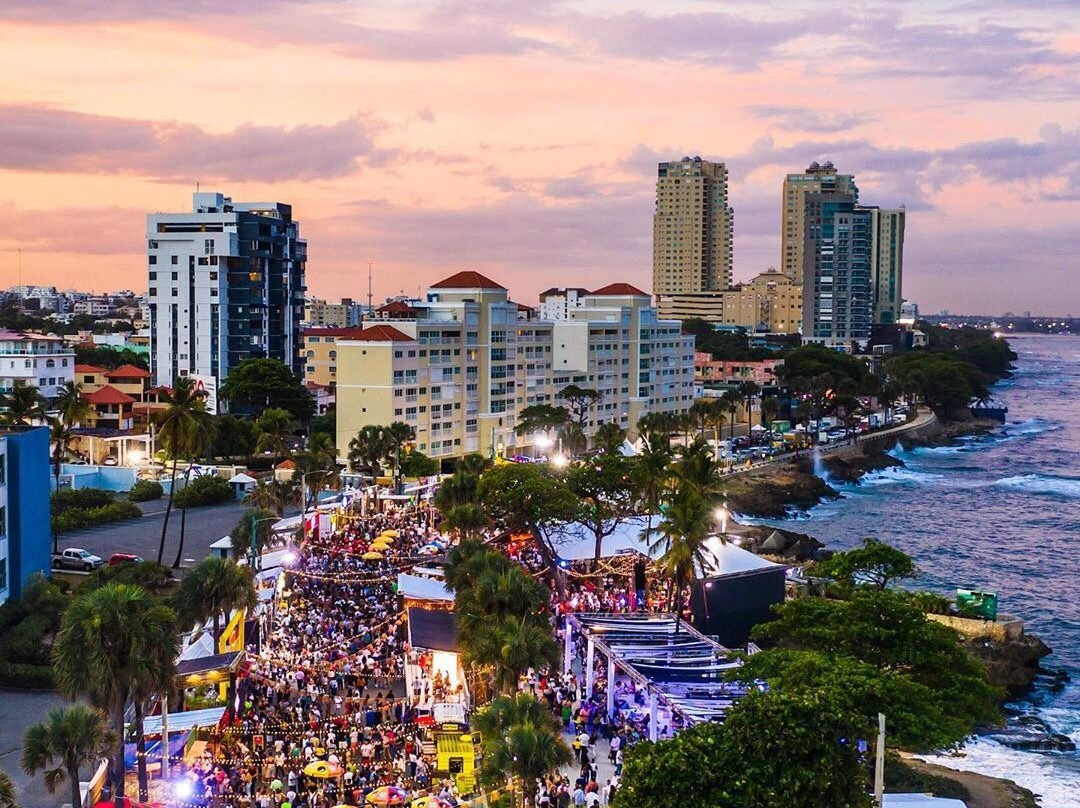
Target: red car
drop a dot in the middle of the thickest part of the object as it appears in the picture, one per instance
(123, 558)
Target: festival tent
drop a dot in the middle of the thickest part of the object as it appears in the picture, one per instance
(417, 588)
(182, 722)
(919, 801)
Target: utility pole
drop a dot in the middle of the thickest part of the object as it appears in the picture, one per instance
(879, 762)
(369, 296)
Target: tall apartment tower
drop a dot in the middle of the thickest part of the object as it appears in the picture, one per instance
(226, 283)
(838, 304)
(693, 228)
(887, 263)
(817, 179)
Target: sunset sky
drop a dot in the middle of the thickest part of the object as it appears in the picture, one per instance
(520, 137)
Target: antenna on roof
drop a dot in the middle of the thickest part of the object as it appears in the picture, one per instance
(369, 265)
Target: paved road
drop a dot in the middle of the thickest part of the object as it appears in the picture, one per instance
(141, 536)
(18, 710)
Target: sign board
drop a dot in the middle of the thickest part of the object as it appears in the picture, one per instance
(976, 604)
(206, 386)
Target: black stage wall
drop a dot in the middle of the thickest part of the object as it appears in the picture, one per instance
(729, 606)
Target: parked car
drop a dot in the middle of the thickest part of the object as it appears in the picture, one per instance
(124, 558)
(74, 558)
(109, 461)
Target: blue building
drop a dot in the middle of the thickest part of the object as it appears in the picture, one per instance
(24, 507)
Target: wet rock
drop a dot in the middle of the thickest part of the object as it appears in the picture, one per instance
(1029, 733)
(851, 469)
(1011, 664)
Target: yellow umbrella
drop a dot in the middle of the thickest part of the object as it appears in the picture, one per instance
(381, 545)
(393, 534)
(372, 556)
(322, 769)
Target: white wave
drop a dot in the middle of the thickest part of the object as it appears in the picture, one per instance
(1055, 778)
(1040, 484)
(1032, 426)
(897, 475)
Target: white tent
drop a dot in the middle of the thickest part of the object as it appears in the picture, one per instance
(626, 448)
(919, 801)
(414, 586)
(242, 479)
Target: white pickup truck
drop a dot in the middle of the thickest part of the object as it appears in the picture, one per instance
(75, 559)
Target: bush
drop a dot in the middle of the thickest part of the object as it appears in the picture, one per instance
(207, 490)
(930, 603)
(82, 498)
(150, 576)
(145, 490)
(24, 641)
(79, 518)
(30, 677)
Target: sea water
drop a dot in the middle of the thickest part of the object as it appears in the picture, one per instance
(997, 512)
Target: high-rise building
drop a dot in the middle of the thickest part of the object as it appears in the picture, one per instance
(838, 302)
(324, 314)
(887, 263)
(226, 283)
(467, 362)
(769, 303)
(25, 482)
(693, 228)
(817, 179)
(556, 304)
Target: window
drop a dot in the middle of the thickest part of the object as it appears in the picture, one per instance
(174, 259)
(153, 260)
(3, 574)
(153, 292)
(153, 276)
(208, 246)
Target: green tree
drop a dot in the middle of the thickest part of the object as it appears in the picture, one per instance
(749, 391)
(241, 534)
(732, 399)
(398, 434)
(7, 792)
(521, 739)
(458, 498)
(883, 629)
(579, 400)
(418, 464)
(813, 360)
(181, 428)
(23, 405)
(69, 738)
(541, 418)
(276, 426)
(234, 437)
(770, 408)
(368, 450)
(60, 435)
(259, 384)
(104, 635)
(70, 406)
(697, 469)
(609, 437)
(874, 563)
(213, 590)
(604, 487)
(681, 535)
(774, 750)
(528, 498)
(325, 424)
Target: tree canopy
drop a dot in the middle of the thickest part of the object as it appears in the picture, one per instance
(874, 563)
(257, 384)
(813, 360)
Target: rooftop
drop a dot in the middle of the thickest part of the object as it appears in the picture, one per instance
(108, 395)
(128, 372)
(378, 333)
(89, 369)
(467, 279)
(619, 290)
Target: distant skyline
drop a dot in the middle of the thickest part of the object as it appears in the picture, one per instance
(521, 138)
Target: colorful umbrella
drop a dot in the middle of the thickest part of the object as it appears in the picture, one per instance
(393, 534)
(429, 549)
(322, 769)
(430, 802)
(371, 555)
(381, 544)
(387, 795)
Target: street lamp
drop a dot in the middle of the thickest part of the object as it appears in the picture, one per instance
(560, 461)
(253, 545)
(722, 515)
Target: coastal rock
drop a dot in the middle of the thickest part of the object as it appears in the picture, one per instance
(772, 494)
(851, 468)
(1030, 733)
(1011, 664)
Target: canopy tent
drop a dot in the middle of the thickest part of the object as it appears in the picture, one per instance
(626, 448)
(919, 801)
(413, 586)
(575, 542)
(684, 669)
(153, 750)
(182, 722)
(242, 479)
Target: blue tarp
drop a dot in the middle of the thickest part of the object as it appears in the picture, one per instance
(153, 749)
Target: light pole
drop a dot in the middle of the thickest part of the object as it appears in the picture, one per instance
(253, 545)
(303, 501)
(722, 513)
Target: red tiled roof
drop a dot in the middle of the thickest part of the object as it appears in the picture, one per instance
(467, 279)
(395, 306)
(382, 333)
(108, 395)
(332, 332)
(620, 290)
(286, 464)
(89, 369)
(128, 372)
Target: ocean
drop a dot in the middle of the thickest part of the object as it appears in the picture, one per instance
(1001, 513)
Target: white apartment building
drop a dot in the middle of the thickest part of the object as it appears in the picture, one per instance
(35, 360)
(555, 304)
(466, 363)
(226, 283)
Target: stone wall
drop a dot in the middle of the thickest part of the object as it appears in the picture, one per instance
(1004, 628)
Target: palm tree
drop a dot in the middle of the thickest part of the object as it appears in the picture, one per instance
(686, 525)
(715, 418)
(770, 408)
(179, 432)
(102, 637)
(7, 792)
(609, 437)
(153, 676)
(732, 399)
(397, 435)
(71, 407)
(697, 468)
(59, 436)
(521, 739)
(274, 495)
(213, 590)
(70, 737)
(748, 390)
(202, 438)
(276, 427)
(368, 450)
(23, 405)
(466, 520)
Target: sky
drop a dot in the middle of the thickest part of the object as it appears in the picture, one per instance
(520, 137)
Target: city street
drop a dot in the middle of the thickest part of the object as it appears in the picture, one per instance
(141, 536)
